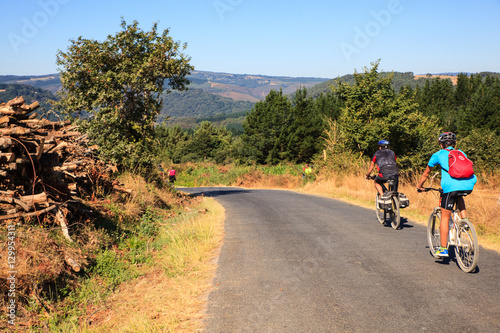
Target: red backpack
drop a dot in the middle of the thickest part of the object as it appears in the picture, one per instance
(459, 165)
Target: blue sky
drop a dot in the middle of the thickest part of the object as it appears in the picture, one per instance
(274, 37)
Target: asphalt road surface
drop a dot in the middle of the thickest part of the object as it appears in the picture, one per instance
(292, 262)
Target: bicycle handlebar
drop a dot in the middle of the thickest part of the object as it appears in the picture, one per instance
(427, 189)
(371, 177)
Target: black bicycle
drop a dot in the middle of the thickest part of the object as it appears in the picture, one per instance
(388, 211)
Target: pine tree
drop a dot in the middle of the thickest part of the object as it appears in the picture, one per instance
(265, 128)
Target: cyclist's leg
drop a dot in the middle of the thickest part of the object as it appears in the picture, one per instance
(444, 227)
(378, 185)
(461, 207)
(396, 182)
(447, 203)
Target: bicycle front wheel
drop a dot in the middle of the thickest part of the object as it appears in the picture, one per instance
(395, 214)
(467, 247)
(433, 232)
(380, 212)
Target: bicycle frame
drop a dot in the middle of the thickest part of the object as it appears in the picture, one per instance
(453, 229)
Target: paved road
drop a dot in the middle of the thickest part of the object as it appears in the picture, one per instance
(300, 263)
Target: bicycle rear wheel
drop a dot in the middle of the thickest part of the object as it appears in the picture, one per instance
(394, 214)
(467, 246)
(433, 232)
(380, 212)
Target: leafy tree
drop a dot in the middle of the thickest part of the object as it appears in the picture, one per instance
(120, 81)
(366, 108)
(373, 111)
(482, 146)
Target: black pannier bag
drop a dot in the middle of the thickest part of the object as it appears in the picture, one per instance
(385, 202)
(403, 201)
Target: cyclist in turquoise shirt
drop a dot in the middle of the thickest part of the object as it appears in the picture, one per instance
(451, 186)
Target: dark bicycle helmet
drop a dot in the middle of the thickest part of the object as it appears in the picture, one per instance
(447, 136)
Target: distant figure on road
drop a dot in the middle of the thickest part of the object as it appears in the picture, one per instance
(306, 170)
(171, 176)
(162, 174)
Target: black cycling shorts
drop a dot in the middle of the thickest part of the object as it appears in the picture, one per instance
(449, 199)
(383, 180)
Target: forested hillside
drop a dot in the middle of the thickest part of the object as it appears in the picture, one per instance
(399, 80)
(347, 121)
(198, 103)
(217, 97)
(49, 82)
(248, 87)
(209, 94)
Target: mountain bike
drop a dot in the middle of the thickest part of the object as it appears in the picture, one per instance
(462, 236)
(391, 211)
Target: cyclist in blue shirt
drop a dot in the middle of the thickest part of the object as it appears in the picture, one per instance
(451, 186)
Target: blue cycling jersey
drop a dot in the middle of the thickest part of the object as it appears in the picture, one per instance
(449, 184)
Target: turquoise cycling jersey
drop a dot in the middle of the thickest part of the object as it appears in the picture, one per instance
(449, 184)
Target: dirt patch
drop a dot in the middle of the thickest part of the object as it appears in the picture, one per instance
(453, 78)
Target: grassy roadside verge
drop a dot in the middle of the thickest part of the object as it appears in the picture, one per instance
(146, 261)
(168, 296)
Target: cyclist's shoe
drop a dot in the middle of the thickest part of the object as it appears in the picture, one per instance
(441, 252)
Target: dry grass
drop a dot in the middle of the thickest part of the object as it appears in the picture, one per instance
(453, 78)
(256, 179)
(143, 195)
(170, 296)
(50, 294)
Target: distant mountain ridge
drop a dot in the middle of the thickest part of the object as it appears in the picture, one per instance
(212, 94)
(209, 94)
(49, 82)
(243, 87)
(248, 87)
